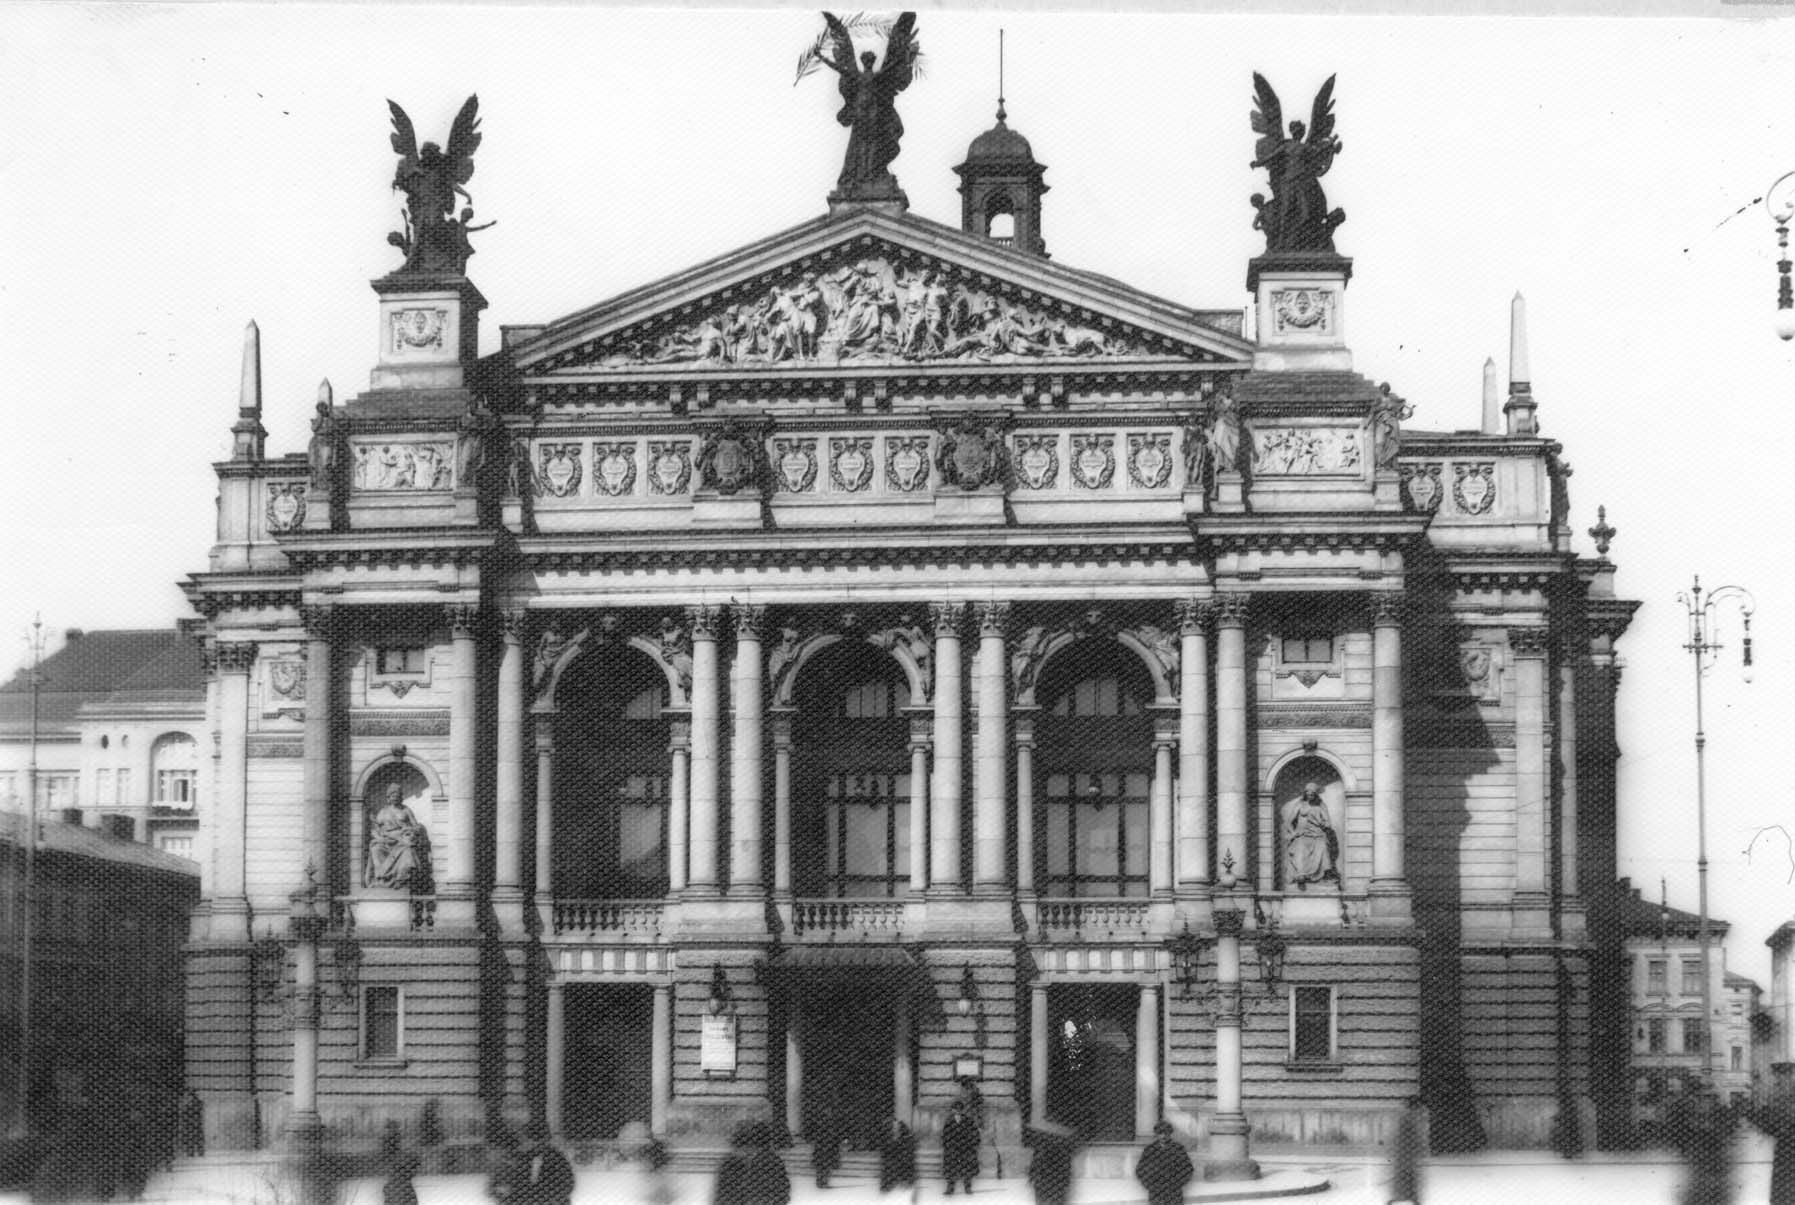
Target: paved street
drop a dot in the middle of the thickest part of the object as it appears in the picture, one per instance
(1488, 1179)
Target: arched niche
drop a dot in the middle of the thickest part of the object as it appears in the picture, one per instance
(421, 790)
(1286, 781)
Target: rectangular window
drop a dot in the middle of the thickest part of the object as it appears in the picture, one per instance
(174, 788)
(1655, 976)
(400, 659)
(1654, 1035)
(1692, 1034)
(103, 787)
(58, 791)
(1307, 650)
(123, 778)
(1311, 1024)
(1692, 978)
(1738, 1058)
(382, 1022)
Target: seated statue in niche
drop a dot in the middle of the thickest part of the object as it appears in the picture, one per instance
(1311, 847)
(398, 847)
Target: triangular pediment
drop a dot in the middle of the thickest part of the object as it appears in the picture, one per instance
(870, 290)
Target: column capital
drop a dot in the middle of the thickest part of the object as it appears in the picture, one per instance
(1022, 726)
(463, 618)
(1195, 615)
(994, 618)
(946, 618)
(704, 619)
(1231, 609)
(235, 656)
(922, 730)
(780, 720)
(1530, 641)
(679, 733)
(318, 619)
(511, 624)
(1387, 608)
(750, 618)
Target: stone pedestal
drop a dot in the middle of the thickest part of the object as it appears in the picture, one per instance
(1300, 299)
(429, 331)
(382, 908)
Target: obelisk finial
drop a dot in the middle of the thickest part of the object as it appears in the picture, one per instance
(1520, 406)
(1492, 402)
(247, 433)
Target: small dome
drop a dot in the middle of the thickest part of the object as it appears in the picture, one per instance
(999, 144)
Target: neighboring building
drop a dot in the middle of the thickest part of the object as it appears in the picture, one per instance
(106, 983)
(882, 656)
(1672, 1047)
(120, 715)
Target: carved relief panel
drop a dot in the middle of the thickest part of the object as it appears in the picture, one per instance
(426, 464)
(285, 509)
(669, 466)
(1307, 451)
(851, 463)
(1474, 487)
(614, 468)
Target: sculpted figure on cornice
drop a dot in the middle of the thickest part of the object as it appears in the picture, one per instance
(1385, 426)
(872, 310)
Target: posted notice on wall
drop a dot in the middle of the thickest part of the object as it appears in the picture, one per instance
(716, 1047)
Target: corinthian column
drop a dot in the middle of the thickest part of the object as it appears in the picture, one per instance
(1194, 617)
(320, 723)
(455, 894)
(1532, 919)
(230, 905)
(1389, 885)
(944, 798)
(745, 767)
(1570, 652)
(703, 826)
(1231, 733)
(508, 800)
(990, 872)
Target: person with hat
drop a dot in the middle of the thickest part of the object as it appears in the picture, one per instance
(1164, 1167)
(959, 1148)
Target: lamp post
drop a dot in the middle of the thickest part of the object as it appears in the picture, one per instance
(28, 889)
(1780, 202)
(1701, 613)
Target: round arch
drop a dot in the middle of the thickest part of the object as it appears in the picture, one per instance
(791, 657)
(573, 650)
(1038, 647)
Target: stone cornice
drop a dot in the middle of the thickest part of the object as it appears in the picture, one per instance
(663, 557)
(1330, 530)
(1475, 575)
(434, 546)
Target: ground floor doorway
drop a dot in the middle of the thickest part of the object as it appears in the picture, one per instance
(846, 1036)
(608, 1074)
(1090, 1059)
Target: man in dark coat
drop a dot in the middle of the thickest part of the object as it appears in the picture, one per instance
(1050, 1171)
(1777, 1119)
(537, 1174)
(1405, 1156)
(959, 1148)
(825, 1144)
(897, 1157)
(752, 1173)
(1163, 1168)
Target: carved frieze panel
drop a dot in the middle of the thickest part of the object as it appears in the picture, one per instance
(614, 468)
(1150, 459)
(877, 310)
(1093, 460)
(1303, 311)
(971, 453)
(418, 329)
(286, 505)
(1037, 460)
(1474, 487)
(1307, 451)
(907, 462)
(559, 469)
(1421, 488)
(408, 465)
(669, 466)
(794, 465)
(851, 463)
(1480, 665)
(731, 459)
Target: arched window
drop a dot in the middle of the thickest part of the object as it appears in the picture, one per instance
(611, 779)
(1095, 769)
(851, 779)
(174, 766)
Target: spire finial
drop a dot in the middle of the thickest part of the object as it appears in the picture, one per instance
(247, 434)
(1520, 406)
(1000, 113)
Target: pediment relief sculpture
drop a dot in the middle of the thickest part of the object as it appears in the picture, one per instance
(873, 310)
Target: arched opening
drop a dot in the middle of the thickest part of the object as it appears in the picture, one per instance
(851, 775)
(611, 779)
(1094, 772)
(1311, 842)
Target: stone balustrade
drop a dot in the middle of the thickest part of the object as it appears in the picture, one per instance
(607, 918)
(862, 919)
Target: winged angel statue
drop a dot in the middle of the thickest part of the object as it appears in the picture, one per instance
(1296, 218)
(434, 239)
(869, 97)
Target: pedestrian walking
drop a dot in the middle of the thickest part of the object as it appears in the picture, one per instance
(1703, 1131)
(1777, 1120)
(959, 1148)
(1164, 1167)
(897, 1156)
(534, 1173)
(1405, 1156)
(191, 1125)
(397, 1188)
(825, 1143)
(657, 1173)
(752, 1173)
(1050, 1171)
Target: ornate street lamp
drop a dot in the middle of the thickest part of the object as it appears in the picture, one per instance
(1186, 950)
(1780, 201)
(720, 998)
(1704, 646)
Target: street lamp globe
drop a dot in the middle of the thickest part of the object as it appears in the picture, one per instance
(1779, 202)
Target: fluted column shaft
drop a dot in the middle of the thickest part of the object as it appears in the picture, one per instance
(1159, 820)
(660, 1096)
(1232, 827)
(464, 743)
(1146, 1059)
(1567, 770)
(1025, 800)
(320, 722)
(679, 751)
(745, 755)
(1387, 771)
(944, 797)
(1531, 703)
(990, 836)
(554, 1055)
(704, 770)
(902, 1076)
(1194, 618)
(782, 804)
(794, 1075)
(508, 801)
(545, 820)
(230, 915)
(921, 726)
(1037, 1052)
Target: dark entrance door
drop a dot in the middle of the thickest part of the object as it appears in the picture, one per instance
(846, 1040)
(609, 1039)
(1090, 1059)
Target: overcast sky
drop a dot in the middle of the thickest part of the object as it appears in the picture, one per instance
(170, 172)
